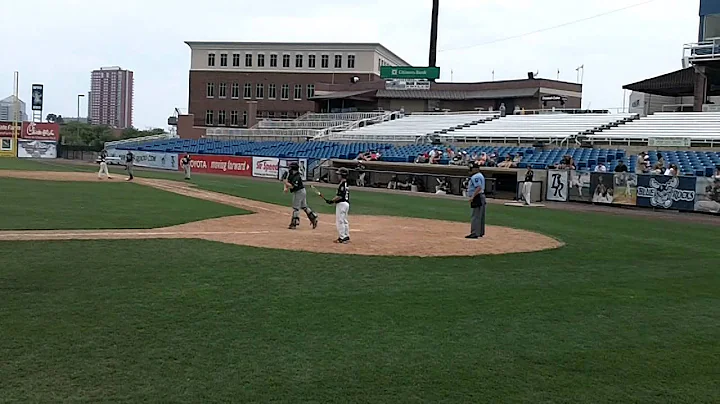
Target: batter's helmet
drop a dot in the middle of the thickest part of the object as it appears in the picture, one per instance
(343, 172)
(294, 166)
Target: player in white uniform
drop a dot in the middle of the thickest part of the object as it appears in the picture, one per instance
(342, 207)
(103, 165)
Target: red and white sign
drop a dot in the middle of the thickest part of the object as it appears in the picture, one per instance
(6, 129)
(231, 165)
(265, 167)
(40, 131)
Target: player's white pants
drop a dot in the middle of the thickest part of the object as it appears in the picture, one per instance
(341, 219)
(103, 170)
(526, 190)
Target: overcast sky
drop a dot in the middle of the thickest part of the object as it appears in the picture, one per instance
(59, 42)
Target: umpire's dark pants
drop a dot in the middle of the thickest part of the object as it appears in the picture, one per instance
(477, 224)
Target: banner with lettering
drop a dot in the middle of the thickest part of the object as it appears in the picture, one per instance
(158, 160)
(265, 167)
(36, 149)
(666, 192)
(40, 131)
(557, 186)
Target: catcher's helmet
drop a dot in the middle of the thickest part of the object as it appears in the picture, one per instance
(343, 172)
(294, 166)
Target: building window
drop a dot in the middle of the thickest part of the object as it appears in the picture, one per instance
(711, 26)
(271, 114)
(351, 61)
(261, 60)
(210, 90)
(273, 60)
(234, 118)
(236, 60)
(244, 118)
(211, 59)
(259, 91)
(298, 60)
(248, 60)
(338, 61)
(310, 90)
(223, 60)
(285, 92)
(259, 114)
(283, 115)
(311, 61)
(247, 91)
(222, 90)
(297, 94)
(324, 61)
(271, 91)
(221, 117)
(286, 60)
(265, 114)
(209, 118)
(235, 91)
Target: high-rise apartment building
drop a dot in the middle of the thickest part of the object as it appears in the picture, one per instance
(111, 97)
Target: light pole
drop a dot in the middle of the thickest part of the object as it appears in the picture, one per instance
(78, 113)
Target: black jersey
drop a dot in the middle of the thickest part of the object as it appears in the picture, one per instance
(295, 180)
(529, 176)
(129, 158)
(343, 192)
(186, 160)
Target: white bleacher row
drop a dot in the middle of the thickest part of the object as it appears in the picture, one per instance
(412, 127)
(299, 124)
(701, 127)
(556, 126)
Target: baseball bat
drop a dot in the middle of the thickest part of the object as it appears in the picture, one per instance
(318, 192)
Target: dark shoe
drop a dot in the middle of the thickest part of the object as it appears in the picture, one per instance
(472, 236)
(338, 241)
(292, 227)
(346, 240)
(314, 223)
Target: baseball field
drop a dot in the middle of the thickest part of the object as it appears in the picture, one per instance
(167, 291)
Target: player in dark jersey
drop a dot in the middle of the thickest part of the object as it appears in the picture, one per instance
(129, 162)
(342, 207)
(294, 184)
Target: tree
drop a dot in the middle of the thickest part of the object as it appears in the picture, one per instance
(52, 118)
(131, 132)
(83, 134)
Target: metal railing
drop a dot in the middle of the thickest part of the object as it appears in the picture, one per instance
(699, 51)
(343, 116)
(298, 124)
(143, 139)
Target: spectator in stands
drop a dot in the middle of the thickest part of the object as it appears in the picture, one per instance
(502, 109)
(517, 110)
(600, 168)
(457, 159)
(465, 158)
(621, 167)
(518, 158)
(474, 157)
(657, 169)
(642, 165)
(422, 158)
(375, 155)
(435, 156)
(482, 160)
(363, 156)
(660, 160)
(507, 163)
(672, 170)
(716, 177)
(567, 163)
(449, 153)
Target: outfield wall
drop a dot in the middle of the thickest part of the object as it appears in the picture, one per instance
(683, 193)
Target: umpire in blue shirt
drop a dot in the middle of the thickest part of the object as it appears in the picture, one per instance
(476, 192)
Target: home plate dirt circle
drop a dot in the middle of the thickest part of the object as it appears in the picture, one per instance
(267, 228)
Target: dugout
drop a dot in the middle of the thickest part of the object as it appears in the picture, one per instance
(501, 183)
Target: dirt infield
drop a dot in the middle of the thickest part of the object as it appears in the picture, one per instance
(267, 227)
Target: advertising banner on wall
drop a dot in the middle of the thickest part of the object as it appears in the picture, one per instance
(158, 160)
(602, 187)
(7, 147)
(285, 163)
(625, 189)
(230, 165)
(36, 149)
(557, 185)
(579, 186)
(40, 131)
(265, 167)
(707, 195)
(6, 129)
(666, 192)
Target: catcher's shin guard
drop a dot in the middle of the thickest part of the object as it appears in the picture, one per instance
(312, 216)
(294, 223)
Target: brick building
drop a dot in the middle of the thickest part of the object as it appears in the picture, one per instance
(234, 83)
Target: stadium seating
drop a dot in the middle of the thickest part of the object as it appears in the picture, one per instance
(413, 127)
(699, 163)
(538, 127)
(697, 126)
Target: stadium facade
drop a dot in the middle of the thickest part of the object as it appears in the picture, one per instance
(233, 84)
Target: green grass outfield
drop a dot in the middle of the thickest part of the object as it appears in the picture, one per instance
(628, 311)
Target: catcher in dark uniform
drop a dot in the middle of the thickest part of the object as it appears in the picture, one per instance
(294, 184)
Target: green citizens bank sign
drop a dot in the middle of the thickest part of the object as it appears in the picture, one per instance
(409, 72)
